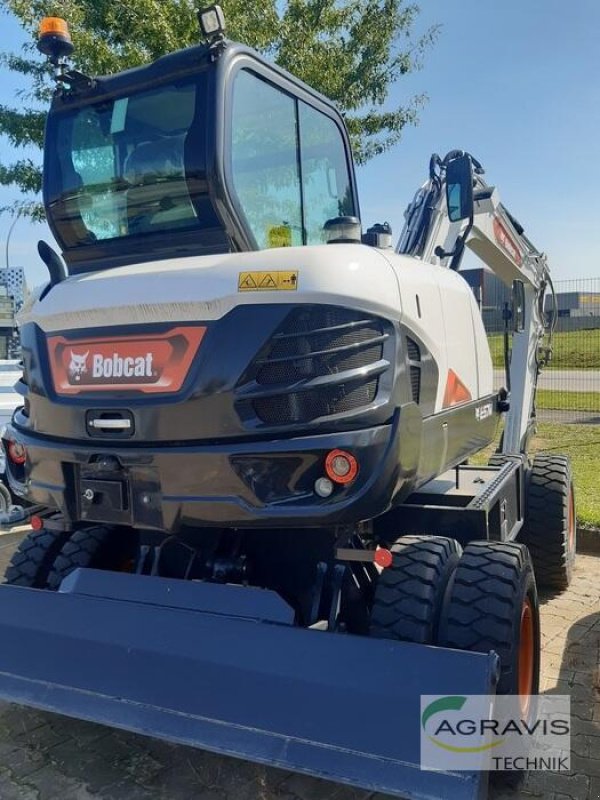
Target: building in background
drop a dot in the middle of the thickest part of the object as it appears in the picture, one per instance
(7, 324)
(13, 290)
(578, 301)
(13, 279)
(491, 295)
(577, 304)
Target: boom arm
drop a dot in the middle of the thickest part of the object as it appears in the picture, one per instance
(494, 235)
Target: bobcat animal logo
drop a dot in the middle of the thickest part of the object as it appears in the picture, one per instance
(78, 365)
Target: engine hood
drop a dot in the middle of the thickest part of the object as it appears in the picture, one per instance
(208, 287)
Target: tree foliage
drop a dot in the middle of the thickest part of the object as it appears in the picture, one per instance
(350, 50)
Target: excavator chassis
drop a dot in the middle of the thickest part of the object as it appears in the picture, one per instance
(197, 373)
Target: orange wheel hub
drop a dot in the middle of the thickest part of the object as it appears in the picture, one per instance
(526, 657)
(571, 520)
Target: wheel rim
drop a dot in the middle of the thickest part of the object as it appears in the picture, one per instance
(571, 520)
(526, 657)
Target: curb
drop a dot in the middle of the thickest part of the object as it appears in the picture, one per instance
(588, 541)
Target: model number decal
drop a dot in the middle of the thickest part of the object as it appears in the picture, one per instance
(483, 412)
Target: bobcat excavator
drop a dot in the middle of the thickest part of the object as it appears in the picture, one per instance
(247, 425)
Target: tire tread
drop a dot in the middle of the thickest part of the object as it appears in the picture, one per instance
(408, 594)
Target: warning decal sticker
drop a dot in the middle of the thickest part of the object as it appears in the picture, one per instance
(273, 281)
(280, 236)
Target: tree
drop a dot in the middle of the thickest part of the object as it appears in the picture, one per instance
(350, 50)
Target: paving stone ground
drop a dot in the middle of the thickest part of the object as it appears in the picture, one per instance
(48, 757)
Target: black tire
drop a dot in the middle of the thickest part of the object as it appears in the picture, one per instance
(6, 500)
(33, 559)
(491, 587)
(550, 528)
(409, 594)
(98, 548)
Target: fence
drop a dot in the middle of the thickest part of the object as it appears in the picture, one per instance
(569, 389)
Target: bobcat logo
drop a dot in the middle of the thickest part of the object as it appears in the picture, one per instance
(78, 365)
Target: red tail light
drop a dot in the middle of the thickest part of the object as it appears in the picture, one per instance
(17, 453)
(341, 466)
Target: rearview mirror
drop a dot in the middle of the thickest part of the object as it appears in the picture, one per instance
(459, 188)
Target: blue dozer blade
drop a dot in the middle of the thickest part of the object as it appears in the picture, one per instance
(223, 668)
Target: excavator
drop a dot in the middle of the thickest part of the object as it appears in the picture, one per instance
(246, 427)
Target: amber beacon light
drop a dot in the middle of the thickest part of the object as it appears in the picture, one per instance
(54, 39)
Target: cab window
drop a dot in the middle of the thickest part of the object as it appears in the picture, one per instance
(325, 177)
(266, 172)
(288, 165)
(120, 166)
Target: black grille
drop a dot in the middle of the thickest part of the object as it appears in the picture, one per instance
(306, 406)
(415, 383)
(414, 352)
(313, 346)
(414, 358)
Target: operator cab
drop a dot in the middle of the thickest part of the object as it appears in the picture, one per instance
(207, 150)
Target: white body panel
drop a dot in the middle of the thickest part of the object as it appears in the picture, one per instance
(430, 300)
(447, 319)
(206, 287)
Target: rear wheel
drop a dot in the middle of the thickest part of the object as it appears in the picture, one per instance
(409, 593)
(493, 605)
(33, 559)
(97, 548)
(550, 528)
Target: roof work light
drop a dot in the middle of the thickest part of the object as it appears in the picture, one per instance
(54, 39)
(212, 22)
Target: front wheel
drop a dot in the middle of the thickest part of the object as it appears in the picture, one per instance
(493, 605)
(409, 594)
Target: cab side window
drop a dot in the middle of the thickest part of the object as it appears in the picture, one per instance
(288, 163)
(264, 160)
(325, 176)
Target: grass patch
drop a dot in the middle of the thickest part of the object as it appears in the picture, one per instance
(567, 401)
(571, 350)
(582, 444)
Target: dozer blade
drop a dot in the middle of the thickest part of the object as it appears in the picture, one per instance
(222, 668)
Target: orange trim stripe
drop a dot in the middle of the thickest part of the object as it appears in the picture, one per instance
(456, 392)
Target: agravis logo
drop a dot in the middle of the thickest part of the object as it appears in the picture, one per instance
(441, 725)
(487, 732)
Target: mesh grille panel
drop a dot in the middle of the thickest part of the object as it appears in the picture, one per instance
(415, 383)
(414, 352)
(306, 406)
(310, 351)
(315, 342)
(315, 366)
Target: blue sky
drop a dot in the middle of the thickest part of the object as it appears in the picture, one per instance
(515, 82)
